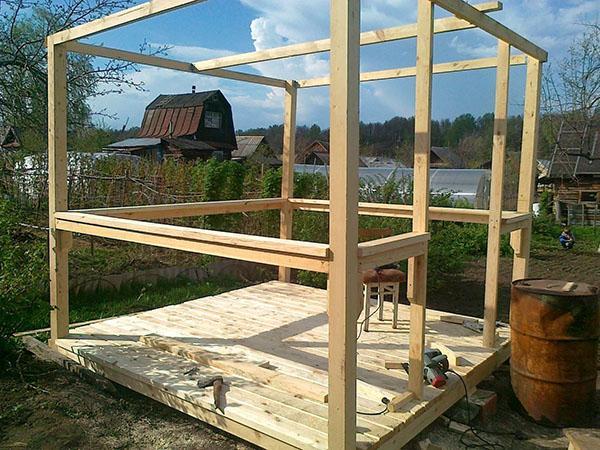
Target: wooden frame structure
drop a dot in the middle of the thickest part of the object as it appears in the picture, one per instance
(343, 257)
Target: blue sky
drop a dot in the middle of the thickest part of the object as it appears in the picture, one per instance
(221, 27)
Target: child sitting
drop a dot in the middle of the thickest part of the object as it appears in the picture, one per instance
(566, 238)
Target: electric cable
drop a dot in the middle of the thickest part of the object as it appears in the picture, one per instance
(379, 305)
(385, 401)
(485, 444)
(365, 319)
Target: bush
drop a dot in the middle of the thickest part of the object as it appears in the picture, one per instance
(23, 276)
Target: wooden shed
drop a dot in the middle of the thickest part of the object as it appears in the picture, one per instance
(574, 174)
(195, 125)
(317, 154)
(445, 158)
(297, 374)
(9, 138)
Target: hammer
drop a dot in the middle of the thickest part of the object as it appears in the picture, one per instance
(217, 385)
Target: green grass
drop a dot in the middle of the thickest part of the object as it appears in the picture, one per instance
(134, 298)
(545, 237)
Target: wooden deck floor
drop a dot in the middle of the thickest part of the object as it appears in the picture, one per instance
(286, 326)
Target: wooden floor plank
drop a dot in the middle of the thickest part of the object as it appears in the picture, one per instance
(285, 325)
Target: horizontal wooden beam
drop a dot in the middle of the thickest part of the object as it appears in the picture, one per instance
(323, 45)
(197, 234)
(173, 210)
(471, 14)
(120, 18)
(391, 249)
(385, 244)
(388, 74)
(517, 221)
(440, 213)
(165, 63)
(265, 250)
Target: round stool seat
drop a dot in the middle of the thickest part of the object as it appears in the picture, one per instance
(383, 276)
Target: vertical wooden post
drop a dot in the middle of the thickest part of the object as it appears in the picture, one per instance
(343, 222)
(521, 239)
(418, 265)
(496, 193)
(57, 190)
(287, 174)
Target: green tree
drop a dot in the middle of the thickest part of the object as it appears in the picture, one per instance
(462, 126)
(571, 90)
(24, 25)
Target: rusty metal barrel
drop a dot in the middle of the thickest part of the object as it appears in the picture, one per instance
(554, 342)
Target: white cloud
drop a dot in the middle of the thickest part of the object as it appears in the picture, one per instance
(193, 53)
(472, 49)
(552, 24)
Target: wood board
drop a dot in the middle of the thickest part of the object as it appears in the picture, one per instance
(285, 325)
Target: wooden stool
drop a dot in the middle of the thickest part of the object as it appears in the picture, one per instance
(380, 283)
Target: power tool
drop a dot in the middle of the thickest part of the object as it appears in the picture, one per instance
(435, 366)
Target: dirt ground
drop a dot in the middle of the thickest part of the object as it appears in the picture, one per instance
(469, 288)
(44, 407)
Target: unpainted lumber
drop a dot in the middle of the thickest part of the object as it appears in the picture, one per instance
(417, 266)
(521, 239)
(175, 210)
(399, 402)
(454, 359)
(406, 72)
(59, 241)
(157, 61)
(366, 38)
(244, 369)
(496, 195)
(120, 18)
(286, 216)
(344, 283)
(205, 247)
(45, 353)
(463, 10)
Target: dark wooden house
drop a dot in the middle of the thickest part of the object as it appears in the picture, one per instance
(256, 150)
(192, 126)
(317, 153)
(574, 175)
(9, 139)
(445, 158)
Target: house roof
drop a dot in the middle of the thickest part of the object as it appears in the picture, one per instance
(9, 138)
(448, 156)
(135, 142)
(381, 161)
(246, 146)
(174, 115)
(190, 144)
(571, 160)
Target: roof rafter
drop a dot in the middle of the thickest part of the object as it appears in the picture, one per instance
(471, 14)
(405, 72)
(156, 61)
(120, 18)
(323, 45)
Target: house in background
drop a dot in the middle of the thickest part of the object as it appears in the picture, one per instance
(445, 158)
(382, 161)
(9, 139)
(191, 126)
(317, 154)
(574, 175)
(256, 150)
